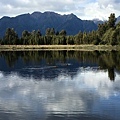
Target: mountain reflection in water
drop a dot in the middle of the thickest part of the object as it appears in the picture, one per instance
(66, 85)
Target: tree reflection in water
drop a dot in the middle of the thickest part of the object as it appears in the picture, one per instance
(14, 60)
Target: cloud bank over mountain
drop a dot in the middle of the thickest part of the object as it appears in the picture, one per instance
(84, 9)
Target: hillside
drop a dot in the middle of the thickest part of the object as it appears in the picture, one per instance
(37, 20)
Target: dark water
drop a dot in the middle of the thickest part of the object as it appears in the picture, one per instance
(59, 85)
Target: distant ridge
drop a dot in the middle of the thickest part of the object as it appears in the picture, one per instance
(97, 21)
(118, 19)
(37, 20)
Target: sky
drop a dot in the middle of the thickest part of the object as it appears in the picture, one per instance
(84, 9)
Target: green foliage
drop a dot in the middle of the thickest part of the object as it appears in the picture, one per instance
(102, 28)
(111, 21)
(70, 40)
(50, 31)
(108, 36)
(63, 33)
(111, 33)
(10, 37)
(78, 38)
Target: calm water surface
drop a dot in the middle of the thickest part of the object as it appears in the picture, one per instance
(59, 85)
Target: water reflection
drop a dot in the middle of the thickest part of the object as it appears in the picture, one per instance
(88, 94)
(52, 85)
(51, 63)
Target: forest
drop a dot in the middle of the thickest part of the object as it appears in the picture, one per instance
(107, 33)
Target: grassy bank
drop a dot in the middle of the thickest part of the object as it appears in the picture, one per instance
(59, 47)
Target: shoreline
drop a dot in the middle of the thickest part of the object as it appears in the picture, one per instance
(59, 47)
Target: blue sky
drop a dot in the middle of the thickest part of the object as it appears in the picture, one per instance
(84, 9)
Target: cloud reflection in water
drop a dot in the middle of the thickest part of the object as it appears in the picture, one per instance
(83, 94)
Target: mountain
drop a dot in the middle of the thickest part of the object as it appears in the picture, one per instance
(37, 20)
(118, 19)
(97, 21)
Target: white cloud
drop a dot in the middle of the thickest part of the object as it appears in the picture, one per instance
(102, 9)
(85, 9)
(98, 11)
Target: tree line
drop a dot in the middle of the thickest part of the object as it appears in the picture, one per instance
(107, 33)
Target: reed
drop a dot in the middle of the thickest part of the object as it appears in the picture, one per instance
(60, 47)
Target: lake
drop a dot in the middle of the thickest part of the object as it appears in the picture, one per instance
(59, 85)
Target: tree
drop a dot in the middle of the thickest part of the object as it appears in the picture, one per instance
(57, 33)
(70, 40)
(78, 38)
(111, 21)
(48, 31)
(11, 36)
(102, 28)
(63, 33)
(52, 31)
(25, 37)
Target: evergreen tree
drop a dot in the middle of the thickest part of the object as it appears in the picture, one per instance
(11, 36)
(52, 31)
(102, 28)
(78, 38)
(48, 31)
(63, 33)
(25, 37)
(111, 21)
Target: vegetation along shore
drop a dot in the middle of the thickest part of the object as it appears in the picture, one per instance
(60, 47)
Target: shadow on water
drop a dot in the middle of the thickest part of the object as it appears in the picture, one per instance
(77, 117)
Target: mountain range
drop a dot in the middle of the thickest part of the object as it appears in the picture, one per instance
(37, 20)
